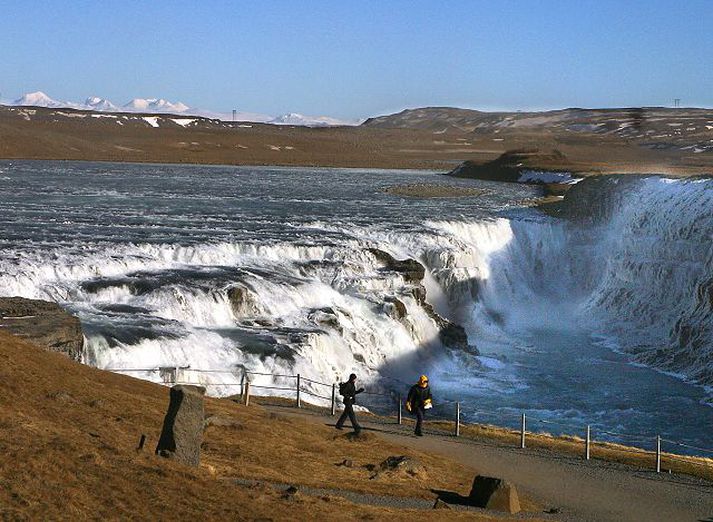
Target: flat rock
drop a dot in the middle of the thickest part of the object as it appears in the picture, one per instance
(43, 323)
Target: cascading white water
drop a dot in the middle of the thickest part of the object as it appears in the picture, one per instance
(543, 299)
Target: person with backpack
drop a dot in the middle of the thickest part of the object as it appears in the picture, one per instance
(349, 392)
(418, 401)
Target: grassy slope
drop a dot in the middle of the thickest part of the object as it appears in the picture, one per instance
(68, 435)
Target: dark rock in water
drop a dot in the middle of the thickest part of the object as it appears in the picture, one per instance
(419, 293)
(182, 432)
(510, 165)
(394, 308)
(494, 493)
(43, 323)
(595, 199)
(326, 317)
(410, 269)
(243, 301)
(450, 334)
(454, 336)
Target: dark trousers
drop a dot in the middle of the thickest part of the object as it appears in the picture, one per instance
(348, 412)
(420, 414)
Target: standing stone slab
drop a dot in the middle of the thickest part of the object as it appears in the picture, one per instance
(494, 493)
(182, 432)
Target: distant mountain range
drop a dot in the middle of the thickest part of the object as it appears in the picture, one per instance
(162, 106)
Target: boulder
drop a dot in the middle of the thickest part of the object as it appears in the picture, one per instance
(403, 464)
(43, 323)
(494, 493)
(441, 505)
(182, 432)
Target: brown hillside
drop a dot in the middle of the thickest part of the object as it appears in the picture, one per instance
(592, 141)
(68, 435)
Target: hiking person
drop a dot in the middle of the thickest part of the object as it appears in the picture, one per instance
(418, 401)
(349, 392)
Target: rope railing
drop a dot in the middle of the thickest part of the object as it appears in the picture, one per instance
(171, 376)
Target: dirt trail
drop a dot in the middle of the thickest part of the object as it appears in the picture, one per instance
(581, 490)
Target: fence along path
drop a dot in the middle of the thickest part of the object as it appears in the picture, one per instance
(390, 404)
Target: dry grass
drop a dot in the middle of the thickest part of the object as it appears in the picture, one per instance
(562, 444)
(68, 435)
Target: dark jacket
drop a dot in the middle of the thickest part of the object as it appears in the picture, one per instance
(417, 396)
(351, 392)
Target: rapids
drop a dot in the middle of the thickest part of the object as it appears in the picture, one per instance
(605, 320)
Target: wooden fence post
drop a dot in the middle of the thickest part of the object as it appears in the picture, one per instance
(588, 443)
(658, 453)
(334, 400)
(522, 432)
(247, 392)
(299, 399)
(242, 385)
(457, 419)
(399, 415)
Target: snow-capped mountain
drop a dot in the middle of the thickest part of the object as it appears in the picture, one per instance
(163, 106)
(39, 99)
(156, 105)
(100, 104)
(293, 118)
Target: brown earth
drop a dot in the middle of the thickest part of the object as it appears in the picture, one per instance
(65, 134)
(68, 438)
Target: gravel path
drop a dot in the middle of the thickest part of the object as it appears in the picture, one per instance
(582, 490)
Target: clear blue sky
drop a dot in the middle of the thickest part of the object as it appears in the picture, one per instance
(352, 59)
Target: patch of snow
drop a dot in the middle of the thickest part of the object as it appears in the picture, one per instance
(151, 120)
(70, 114)
(183, 122)
(103, 116)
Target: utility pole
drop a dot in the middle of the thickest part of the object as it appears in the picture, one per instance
(234, 114)
(677, 103)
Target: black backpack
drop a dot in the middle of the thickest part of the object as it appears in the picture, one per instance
(343, 389)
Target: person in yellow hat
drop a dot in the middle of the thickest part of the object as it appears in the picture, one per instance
(418, 401)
